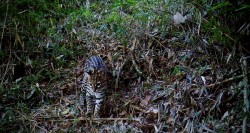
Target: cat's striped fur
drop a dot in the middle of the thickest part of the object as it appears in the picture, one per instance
(93, 85)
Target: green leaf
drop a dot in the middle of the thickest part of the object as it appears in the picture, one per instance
(31, 93)
(220, 5)
(243, 7)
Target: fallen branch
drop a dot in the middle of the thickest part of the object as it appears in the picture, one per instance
(222, 82)
(113, 119)
(138, 108)
(57, 118)
(31, 121)
(245, 92)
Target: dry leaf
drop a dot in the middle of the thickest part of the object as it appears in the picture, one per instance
(19, 40)
(203, 79)
(65, 111)
(193, 102)
(178, 18)
(170, 120)
(224, 116)
(152, 110)
(74, 31)
(144, 102)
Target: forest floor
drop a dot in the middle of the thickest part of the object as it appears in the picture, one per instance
(174, 68)
(156, 86)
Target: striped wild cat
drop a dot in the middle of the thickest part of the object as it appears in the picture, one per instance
(94, 84)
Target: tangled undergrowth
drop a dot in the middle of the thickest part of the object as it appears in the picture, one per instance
(177, 66)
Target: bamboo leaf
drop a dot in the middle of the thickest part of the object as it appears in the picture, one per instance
(19, 40)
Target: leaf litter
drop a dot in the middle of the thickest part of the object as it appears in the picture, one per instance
(152, 91)
(157, 85)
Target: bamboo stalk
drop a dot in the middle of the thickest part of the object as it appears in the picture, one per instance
(245, 93)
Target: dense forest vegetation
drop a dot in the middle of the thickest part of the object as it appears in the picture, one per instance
(176, 65)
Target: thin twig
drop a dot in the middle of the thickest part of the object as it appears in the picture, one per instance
(133, 58)
(138, 108)
(24, 117)
(57, 118)
(118, 68)
(223, 32)
(136, 66)
(244, 70)
(4, 24)
(116, 119)
(7, 68)
(154, 38)
(222, 82)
